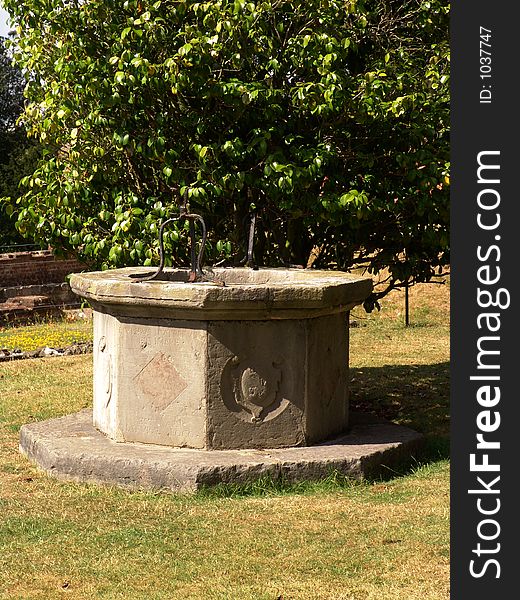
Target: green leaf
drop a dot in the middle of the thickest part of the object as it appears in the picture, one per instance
(282, 106)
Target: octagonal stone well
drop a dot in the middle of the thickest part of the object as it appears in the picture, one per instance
(252, 359)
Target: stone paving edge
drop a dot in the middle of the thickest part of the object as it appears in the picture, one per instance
(69, 448)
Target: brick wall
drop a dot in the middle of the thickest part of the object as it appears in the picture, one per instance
(35, 268)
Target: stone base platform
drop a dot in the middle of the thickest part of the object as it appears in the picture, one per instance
(71, 449)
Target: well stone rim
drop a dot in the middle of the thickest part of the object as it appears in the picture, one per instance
(278, 293)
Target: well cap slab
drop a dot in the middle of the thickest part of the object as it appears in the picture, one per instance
(260, 293)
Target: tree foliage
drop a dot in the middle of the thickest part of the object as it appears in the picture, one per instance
(17, 154)
(327, 118)
(11, 92)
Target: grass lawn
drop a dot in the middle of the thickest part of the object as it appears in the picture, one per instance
(53, 333)
(382, 540)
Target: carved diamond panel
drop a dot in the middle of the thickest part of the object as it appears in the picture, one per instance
(160, 382)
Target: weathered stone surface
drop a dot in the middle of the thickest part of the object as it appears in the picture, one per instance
(221, 384)
(301, 366)
(247, 294)
(70, 448)
(256, 389)
(260, 362)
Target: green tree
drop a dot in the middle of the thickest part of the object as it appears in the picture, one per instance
(327, 118)
(18, 157)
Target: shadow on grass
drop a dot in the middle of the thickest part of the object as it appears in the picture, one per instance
(417, 396)
(413, 395)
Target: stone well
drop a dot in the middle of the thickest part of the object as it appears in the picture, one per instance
(253, 359)
(227, 381)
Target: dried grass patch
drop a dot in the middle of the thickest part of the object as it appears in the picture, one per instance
(387, 540)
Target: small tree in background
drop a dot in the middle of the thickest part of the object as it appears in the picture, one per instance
(327, 119)
(16, 158)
